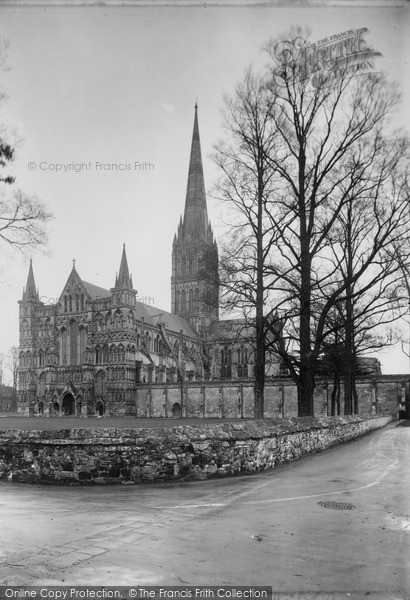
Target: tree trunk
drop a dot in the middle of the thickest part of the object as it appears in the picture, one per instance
(338, 398)
(259, 388)
(349, 360)
(335, 397)
(305, 393)
(260, 324)
(349, 369)
(355, 399)
(307, 371)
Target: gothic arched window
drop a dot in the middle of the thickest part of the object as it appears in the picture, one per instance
(100, 383)
(63, 352)
(228, 355)
(83, 343)
(73, 342)
(121, 353)
(24, 329)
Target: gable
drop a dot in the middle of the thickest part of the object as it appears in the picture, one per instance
(74, 285)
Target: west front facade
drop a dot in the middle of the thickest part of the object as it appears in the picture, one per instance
(90, 353)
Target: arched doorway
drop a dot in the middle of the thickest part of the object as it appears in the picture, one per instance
(68, 406)
(56, 408)
(41, 408)
(99, 409)
(176, 410)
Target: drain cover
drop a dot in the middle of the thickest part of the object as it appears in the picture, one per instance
(336, 505)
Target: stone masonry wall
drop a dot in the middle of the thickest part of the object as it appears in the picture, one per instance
(376, 395)
(100, 456)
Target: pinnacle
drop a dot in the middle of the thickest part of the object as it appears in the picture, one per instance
(31, 290)
(123, 279)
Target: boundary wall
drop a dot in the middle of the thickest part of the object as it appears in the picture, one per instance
(232, 399)
(189, 452)
(380, 394)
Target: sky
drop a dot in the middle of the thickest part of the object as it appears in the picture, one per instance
(117, 85)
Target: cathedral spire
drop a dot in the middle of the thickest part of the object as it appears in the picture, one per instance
(195, 214)
(30, 292)
(194, 251)
(123, 279)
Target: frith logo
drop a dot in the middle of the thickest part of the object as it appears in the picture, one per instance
(321, 63)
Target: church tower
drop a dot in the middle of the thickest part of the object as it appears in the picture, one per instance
(194, 281)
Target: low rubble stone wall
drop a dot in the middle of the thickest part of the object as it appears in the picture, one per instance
(108, 456)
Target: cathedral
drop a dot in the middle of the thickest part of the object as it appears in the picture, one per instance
(87, 354)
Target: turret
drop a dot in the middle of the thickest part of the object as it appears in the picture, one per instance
(30, 293)
(123, 291)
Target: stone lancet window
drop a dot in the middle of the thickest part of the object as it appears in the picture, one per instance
(83, 343)
(100, 383)
(226, 361)
(73, 343)
(63, 342)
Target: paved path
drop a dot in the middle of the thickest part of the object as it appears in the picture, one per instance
(268, 529)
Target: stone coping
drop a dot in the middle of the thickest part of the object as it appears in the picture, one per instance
(248, 429)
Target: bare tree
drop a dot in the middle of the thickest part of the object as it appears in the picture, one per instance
(23, 220)
(6, 157)
(400, 252)
(322, 127)
(321, 135)
(246, 185)
(374, 219)
(22, 217)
